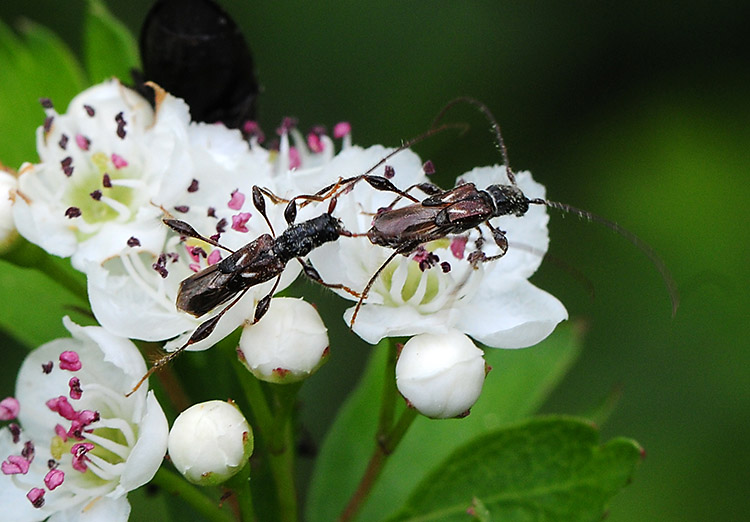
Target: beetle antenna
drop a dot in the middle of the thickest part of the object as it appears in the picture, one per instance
(494, 128)
(644, 247)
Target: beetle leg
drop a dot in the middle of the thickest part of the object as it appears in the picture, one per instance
(202, 332)
(311, 272)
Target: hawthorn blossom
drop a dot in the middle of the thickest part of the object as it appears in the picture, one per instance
(436, 288)
(133, 294)
(104, 166)
(79, 446)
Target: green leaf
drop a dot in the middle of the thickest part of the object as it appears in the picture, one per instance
(514, 389)
(109, 47)
(39, 65)
(548, 469)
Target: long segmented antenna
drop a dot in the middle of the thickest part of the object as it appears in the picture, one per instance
(336, 189)
(494, 128)
(644, 247)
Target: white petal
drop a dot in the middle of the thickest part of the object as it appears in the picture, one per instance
(510, 313)
(102, 509)
(146, 456)
(374, 322)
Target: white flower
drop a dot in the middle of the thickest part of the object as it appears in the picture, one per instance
(81, 445)
(495, 304)
(104, 165)
(8, 184)
(289, 344)
(441, 375)
(210, 442)
(133, 294)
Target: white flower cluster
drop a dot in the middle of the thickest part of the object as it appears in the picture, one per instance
(112, 167)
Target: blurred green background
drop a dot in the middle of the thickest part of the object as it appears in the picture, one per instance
(638, 111)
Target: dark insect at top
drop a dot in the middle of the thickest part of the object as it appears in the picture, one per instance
(194, 50)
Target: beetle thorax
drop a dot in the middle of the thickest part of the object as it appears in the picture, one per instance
(508, 199)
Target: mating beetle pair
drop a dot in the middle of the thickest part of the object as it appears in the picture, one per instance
(403, 229)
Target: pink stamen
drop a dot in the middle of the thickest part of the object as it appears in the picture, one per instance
(75, 388)
(83, 142)
(118, 161)
(86, 417)
(61, 406)
(54, 478)
(15, 465)
(79, 455)
(69, 360)
(314, 142)
(458, 246)
(341, 129)
(251, 128)
(240, 220)
(214, 257)
(60, 432)
(36, 497)
(294, 158)
(9, 408)
(237, 200)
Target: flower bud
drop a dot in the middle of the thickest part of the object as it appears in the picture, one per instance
(210, 442)
(288, 344)
(441, 375)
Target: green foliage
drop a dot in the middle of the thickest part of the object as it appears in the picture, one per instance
(109, 48)
(548, 469)
(35, 64)
(519, 382)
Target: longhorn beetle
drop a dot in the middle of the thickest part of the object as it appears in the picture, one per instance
(259, 261)
(460, 209)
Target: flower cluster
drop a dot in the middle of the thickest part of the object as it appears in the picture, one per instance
(76, 443)
(113, 167)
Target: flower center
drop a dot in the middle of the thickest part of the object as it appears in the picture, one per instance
(105, 190)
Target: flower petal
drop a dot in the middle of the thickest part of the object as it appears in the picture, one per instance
(510, 313)
(146, 456)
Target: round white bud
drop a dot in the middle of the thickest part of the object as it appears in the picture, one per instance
(210, 442)
(441, 375)
(288, 344)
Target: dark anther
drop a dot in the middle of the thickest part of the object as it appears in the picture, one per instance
(96, 195)
(72, 212)
(193, 186)
(134, 242)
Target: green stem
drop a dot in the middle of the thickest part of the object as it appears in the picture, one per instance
(387, 436)
(383, 449)
(240, 485)
(388, 399)
(175, 484)
(282, 469)
(275, 426)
